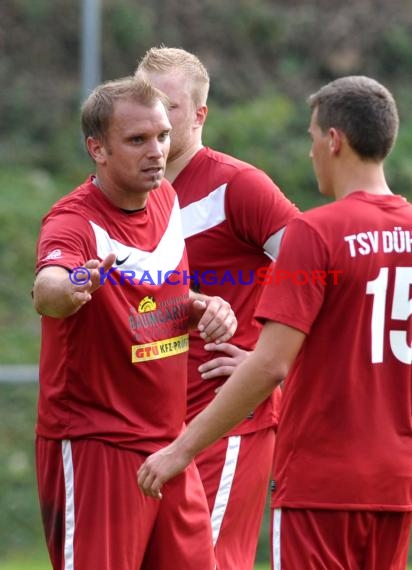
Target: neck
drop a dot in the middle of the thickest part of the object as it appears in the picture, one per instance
(120, 198)
(175, 166)
(366, 176)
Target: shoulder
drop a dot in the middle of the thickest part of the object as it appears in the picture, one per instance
(326, 223)
(313, 222)
(243, 176)
(164, 194)
(73, 202)
(321, 214)
(166, 188)
(74, 212)
(233, 165)
(224, 159)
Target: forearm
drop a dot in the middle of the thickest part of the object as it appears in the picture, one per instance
(250, 384)
(56, 295)
(53, 294)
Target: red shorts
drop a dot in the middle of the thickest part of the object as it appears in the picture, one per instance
(96, 518)
(339, 540)
(235, 472)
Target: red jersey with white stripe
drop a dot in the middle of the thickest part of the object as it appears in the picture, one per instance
(117, 369)
(345, 429)
(233, 220)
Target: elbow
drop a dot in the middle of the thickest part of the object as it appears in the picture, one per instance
(37, 304)
(44, 307)
(281, 372)
(41, 307)
(275, 373)
(39, 298)
(48, 298)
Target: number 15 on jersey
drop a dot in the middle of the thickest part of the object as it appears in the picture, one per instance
(401, 310)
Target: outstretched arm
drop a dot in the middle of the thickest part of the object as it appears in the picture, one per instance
(250, 384)
(56, 294)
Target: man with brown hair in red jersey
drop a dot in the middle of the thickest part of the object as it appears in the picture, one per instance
(113, 366)
(343, 458)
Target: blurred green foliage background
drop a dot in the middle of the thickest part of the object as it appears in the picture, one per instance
(264, 59)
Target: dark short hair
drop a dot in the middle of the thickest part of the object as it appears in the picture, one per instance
(97, 109)
(363, 109)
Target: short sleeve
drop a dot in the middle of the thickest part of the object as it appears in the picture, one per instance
(255, 207)
(65, 240)
(294, 287)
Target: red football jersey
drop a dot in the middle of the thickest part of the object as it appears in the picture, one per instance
(233, 220)
(117, 369)
(344, 277)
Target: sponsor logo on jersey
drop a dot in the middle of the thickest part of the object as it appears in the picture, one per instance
(160, 348)
(121, 261)
(147, 304)
(55, 254)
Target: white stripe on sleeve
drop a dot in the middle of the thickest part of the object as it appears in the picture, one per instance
(272, 244)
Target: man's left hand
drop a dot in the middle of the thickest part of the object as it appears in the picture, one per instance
(214, 317)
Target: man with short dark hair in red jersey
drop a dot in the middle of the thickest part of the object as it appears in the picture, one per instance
(233, 220)
(343, 458)
(113, 366)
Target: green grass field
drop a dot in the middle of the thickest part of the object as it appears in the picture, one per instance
(25, 564)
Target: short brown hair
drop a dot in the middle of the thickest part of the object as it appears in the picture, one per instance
(363, 109)
(97, 109)
(163, 59)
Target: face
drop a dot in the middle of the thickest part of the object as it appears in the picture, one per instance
(182, 112)
(320, 155)
(132, 159)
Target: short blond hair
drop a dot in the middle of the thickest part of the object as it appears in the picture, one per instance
(163, 59)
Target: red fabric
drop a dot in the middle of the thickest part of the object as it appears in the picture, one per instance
(237, 517)
(91, 382)
(344, 439)
(339, 540)
(115, 525)
(231, 251)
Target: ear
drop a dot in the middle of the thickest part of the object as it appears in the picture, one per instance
(96, 149)
(201, 114)
(335, 140)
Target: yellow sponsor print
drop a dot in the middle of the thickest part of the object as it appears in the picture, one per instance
(160, 348)
(147, 304)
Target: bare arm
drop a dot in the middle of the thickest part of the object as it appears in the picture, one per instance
(250, 384)
(56, 295)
